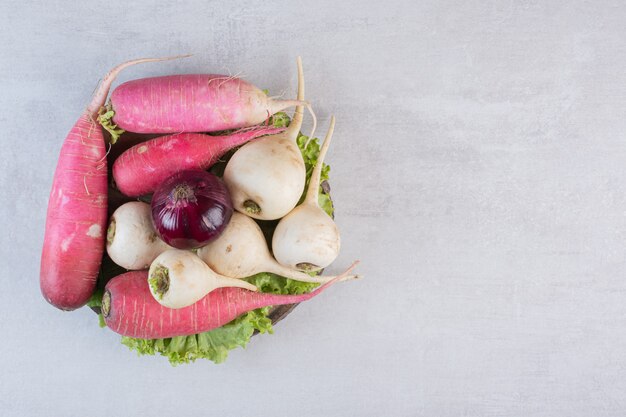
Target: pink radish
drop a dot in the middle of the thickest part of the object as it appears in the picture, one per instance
(77, 209)
(190, 103)
(130, 309)
(143, 167)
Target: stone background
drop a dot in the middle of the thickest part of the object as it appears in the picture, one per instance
(478, 171)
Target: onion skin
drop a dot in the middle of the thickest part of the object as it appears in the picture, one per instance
(190, 209)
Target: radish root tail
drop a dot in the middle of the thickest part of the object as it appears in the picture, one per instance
(298, 114)
(344, 276)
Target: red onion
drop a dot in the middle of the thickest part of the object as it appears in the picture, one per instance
(190, 209)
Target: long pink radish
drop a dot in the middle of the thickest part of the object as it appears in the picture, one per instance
(143, 167)
(130, 309)
(77, 209)
(190, 103)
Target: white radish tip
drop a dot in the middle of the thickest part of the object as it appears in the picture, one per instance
(296, 120)
(344, 276)
(165, 58)
(350, 277)
(300, 94)
(244, 284)
(314, 117)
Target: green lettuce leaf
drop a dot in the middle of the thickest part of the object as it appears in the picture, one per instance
(310, 152)
(214, 345)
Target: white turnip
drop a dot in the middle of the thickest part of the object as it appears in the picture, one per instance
(179, 278)
(241, 251)
(308, 238)
(266, 177)
(132, 241)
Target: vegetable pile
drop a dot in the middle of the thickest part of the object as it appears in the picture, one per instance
(173, 249)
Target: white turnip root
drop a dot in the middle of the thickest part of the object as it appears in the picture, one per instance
(132, 241)
(179, 278)
(241, 251)
(308, 238)
(266, 177)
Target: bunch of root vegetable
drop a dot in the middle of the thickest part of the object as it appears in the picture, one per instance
(187, 238)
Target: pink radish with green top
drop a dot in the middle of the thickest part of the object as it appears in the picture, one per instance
(189, 103)
(77, 209)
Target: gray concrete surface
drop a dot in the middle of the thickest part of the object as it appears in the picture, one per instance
(478, 169)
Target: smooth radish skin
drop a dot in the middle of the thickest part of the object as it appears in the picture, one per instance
(308, 238)
(77, 209)
(191, 103)
(143, 167)
(266, 177)
(178, 278)
(132, 241)
(241, 251)
(130, 309)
